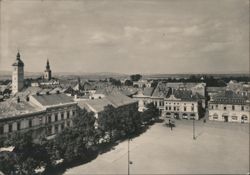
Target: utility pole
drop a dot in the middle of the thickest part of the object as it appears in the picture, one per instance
(193, 128)
(128, 159)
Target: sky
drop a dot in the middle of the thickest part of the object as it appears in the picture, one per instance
(126, 36)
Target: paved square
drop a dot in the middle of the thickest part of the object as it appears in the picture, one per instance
(220, 148)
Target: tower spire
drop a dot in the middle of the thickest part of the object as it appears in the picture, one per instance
(47, 65)
(18, 55)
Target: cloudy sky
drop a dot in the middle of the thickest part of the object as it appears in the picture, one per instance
(144, 36)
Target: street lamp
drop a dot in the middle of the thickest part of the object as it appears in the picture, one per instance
(129, 162)
(193, 128)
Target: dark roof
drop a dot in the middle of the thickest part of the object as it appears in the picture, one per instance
(18, 61)
(185, 95)
(228, 97)
(53, 99)
(161, 90)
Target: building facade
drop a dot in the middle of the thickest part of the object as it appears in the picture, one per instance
(17, 75)
(179, 104)
(46, 115)
(228, 106)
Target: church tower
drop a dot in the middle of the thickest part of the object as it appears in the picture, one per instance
(47, 72)
(17, 75)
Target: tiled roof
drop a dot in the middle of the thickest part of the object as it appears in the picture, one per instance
(161, 90)
(116, 99)
(148, 91)
(229, 97)
(53, 99)
(11, 108)
(96, 104)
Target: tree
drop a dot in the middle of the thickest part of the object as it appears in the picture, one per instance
(107, 121)
(28, 155)
(135, 77)
(128, 83)
(7, 162)
(115, 82)
(151, 113)
(154, 84)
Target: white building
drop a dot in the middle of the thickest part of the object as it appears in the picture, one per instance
(171, 103)
(228, 106)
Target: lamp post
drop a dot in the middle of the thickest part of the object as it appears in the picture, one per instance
(128, 159)
(193, 128)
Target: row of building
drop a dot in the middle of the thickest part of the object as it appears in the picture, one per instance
(47, 110)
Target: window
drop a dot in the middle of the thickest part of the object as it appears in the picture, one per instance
(170, 108)
(234, 118)
(67, 114)
(242, 108)
(185, 108)
(192, 108)
(73, 113)
(30, 123)
(225, 108)
(174, 108)
(212, 107)
(10, 127)
(68, 123)
(62, 115)
(49, 119)
(62, 126)
(56, 117)
(49, 130)
(244, 117)
(18, 126)
(233, 108)
(216, 106)
(1, 129)
(166, 108)
(56, 128)
(215, 116)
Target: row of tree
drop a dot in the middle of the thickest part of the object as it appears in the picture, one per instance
(75, 144)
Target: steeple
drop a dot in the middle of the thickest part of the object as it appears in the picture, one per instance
(18, 61)
(47, 65)
(18, 55)
(47, 72)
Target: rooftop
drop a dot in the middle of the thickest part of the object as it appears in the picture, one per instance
(229, 97)
(52, 99)
(12, 108)
(116, 99)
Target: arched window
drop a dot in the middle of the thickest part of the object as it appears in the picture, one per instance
(244, 117)
(215, 116)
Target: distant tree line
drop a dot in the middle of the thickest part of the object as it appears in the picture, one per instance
(80, 143)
